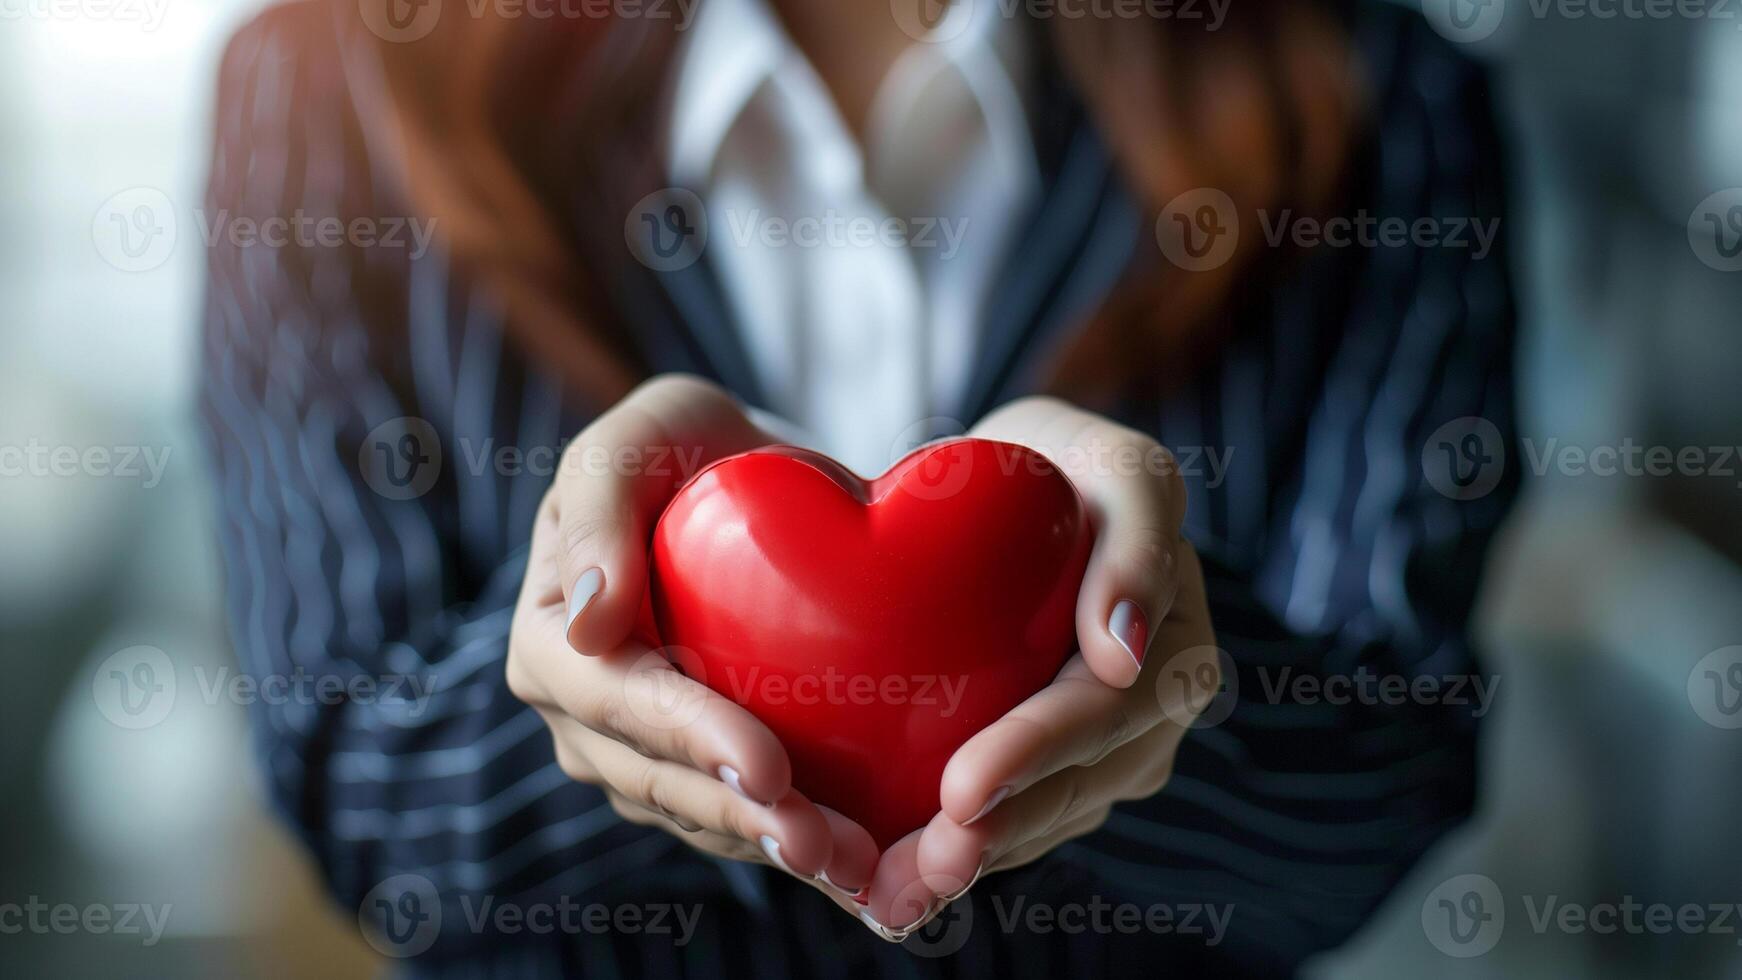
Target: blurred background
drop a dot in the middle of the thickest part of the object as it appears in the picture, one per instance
(1612, 614)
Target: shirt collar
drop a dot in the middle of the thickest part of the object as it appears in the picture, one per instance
(735, 47)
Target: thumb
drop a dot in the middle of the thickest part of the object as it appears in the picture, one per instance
(1134, 570)
(616, 478)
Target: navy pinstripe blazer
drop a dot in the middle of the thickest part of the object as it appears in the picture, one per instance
(1327, 554)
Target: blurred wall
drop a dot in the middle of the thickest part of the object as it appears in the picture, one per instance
(1609, 769)
(98, 335)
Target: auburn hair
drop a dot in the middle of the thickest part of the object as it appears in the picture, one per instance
(1265, 109)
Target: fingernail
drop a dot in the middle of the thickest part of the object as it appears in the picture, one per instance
(823, 876)
(730, 777)
(586, 587)
(1130, 628)
(883, 932)
(996, 798)
(978, 871)
(771, 847)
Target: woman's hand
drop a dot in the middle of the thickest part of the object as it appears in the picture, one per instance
(667, 751)
(1104, 731)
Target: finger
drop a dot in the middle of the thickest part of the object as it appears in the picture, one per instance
(853, 858)
(717, 844)
(615, 479)
(899, 900)
(1036, 849)
(635, 696)
(950, 852)
(1133, 487)
(793, 835)
(1075, 720)
(1132, 575)
(732, 848)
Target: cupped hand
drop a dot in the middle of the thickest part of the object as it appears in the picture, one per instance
(1105, 730)
(667, 751)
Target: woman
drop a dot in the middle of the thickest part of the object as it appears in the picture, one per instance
(379, 417)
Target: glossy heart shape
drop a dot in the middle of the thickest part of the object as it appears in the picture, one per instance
(873, 626)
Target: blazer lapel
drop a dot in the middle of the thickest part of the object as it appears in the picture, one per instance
(1069, 256)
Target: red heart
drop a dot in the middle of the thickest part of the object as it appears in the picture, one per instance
(874, 627)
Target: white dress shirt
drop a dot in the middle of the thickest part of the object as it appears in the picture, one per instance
(857, 274)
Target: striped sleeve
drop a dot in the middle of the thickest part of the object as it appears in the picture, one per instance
(1342, 569)
(367, 565)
